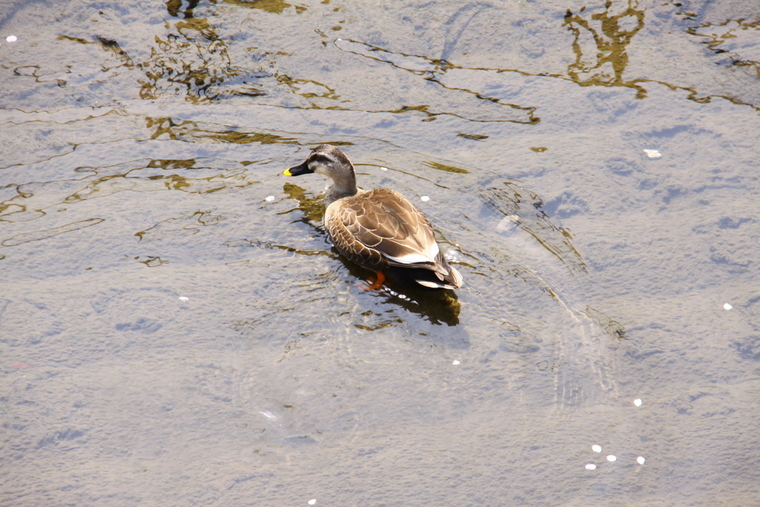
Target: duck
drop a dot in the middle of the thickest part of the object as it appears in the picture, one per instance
(379, 230)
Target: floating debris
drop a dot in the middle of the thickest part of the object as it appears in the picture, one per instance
(424, 198)
(640, 460)
(653, 153)
(611, 457)
(590, 466)
(637, 402)
(269, 198)
(11, 38)
(455, 362)
(727, 306)
(312, 501)
(596, 448)
(472, 137)
(184, 299)
(383, 168)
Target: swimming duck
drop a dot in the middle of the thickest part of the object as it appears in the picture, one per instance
(378, 229)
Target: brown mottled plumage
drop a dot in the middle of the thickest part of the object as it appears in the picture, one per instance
(377, 229)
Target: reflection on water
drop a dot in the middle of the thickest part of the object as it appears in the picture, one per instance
(311, 206)
(201, 176)
(199, 59)
(49, 233)
(273, 6)
(600, 43)
(193, 62)
(193, 131)
(188, 224)
(734, 41)
(476, 106)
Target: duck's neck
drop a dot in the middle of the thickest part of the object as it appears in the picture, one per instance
(343, 186)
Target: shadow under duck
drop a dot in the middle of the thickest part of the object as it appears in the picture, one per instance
(378, 229)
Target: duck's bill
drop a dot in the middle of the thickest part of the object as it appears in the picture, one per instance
(297, 170)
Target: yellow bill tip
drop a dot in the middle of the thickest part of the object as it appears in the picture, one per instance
(286, 172)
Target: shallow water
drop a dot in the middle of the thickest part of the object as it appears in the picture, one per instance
(176, 329)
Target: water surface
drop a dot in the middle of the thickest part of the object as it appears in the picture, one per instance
(176, 329)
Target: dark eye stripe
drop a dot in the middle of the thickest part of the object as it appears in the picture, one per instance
(323, 159)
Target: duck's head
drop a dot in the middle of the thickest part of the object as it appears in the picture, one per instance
(325, 159)
(333, 163)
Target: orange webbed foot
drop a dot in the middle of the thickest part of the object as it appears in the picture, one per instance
(373, 284)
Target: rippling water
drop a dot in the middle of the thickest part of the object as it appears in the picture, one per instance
(175, 327)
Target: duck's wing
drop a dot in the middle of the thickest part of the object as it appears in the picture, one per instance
(384, 221)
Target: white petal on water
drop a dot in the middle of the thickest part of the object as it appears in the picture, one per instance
(640, 460)
(184, 299)
(596, 448)
(590, 466)
(455, 362)
(727, 306)
(424, 198)
(269, 415)
(270, 198)
(611, 457)
(653, 153)
(312, 501)
(637, 402)
(11, 38)
(383, 168)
